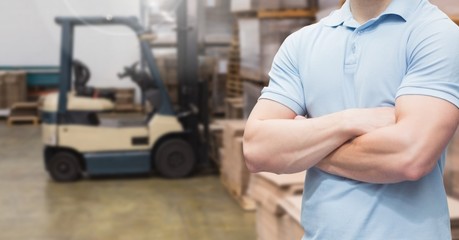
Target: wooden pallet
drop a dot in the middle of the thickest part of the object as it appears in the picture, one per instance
(233, 108)
(256, 82)
(281, 13)
(244, 201)
(253, 76)
(24, 112)
(233, 80)
(23, 119)
(289, 13)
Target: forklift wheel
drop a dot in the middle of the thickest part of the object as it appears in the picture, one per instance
(175, 158)
(64, 167)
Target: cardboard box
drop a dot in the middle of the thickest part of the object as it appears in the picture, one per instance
(451, 172)
(260, 40)
(233, 108)
(14, 88)
(256, 5)
(167, 66)
(217, 24)
(218, 86)
(234, 173)
(233, 170)
(251, 93)
(2, 91)
(290, 218)
(453, 205)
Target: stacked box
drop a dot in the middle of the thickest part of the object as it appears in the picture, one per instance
(14, 88)
(217, 24)
(267, 189)
(260, 40)
(167, 66)
(233, 167)
(125, 99)
(216, 141)
(2, 91)
(218, 86)
(451, 172)
(453, 205)
(234, 174)
(251, 93)
(290, 218)
(233, 108)
(256, 5)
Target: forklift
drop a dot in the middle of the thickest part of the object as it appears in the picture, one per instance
(171, 141)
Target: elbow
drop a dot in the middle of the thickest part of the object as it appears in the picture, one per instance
(412, 174)
(252, 157)
(256, 156)
(415, 168)
(252, 150)
(414, 161)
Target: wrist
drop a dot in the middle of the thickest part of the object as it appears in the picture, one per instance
(350, 123)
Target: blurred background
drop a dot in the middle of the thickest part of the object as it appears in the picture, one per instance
(124, 119)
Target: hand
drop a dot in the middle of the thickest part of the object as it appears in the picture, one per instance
(362, 121)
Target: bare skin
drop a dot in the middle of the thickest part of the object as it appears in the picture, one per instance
(272, 125)
(364, 10)
(407, 150)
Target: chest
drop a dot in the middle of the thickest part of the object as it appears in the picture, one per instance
(347, 68)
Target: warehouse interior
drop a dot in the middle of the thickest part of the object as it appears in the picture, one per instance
(125, 119)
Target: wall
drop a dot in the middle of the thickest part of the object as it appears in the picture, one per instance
(29, 36)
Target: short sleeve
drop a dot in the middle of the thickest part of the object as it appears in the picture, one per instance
(433, 62)
(285, 85)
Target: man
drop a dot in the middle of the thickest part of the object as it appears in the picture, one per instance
(379, 83)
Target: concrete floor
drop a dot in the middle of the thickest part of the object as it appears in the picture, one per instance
(32, 207)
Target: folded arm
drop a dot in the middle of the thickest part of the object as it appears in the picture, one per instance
(275, 142)
(407, 150)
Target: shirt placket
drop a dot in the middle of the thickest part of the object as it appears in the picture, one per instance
(353, 50)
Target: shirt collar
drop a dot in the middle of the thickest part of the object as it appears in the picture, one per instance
(402, 8)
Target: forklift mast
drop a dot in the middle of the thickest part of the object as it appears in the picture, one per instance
(193, 93)
(187, 44)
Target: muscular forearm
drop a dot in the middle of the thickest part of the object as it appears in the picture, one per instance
(405, 151)
(288, 146)
(377, 157)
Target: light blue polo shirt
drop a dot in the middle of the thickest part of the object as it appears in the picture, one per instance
(336, 64)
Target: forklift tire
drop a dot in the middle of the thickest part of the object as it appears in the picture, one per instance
(175, 158)
(64, 167)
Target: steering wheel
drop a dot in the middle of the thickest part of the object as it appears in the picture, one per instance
(128, 71)
(81, 72)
